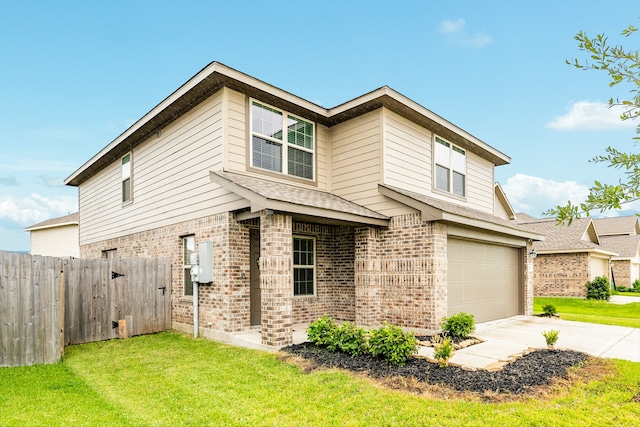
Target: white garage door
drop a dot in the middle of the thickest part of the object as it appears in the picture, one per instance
(484, 280)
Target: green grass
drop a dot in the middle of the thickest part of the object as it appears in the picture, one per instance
(592, 311)
(173, 379)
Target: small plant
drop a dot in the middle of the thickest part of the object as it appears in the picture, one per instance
(551, 337)
(459, 325)
(549, 310)
(636, 285)
(321, 331)
(599, 288)
(443, 350)
(392, 344)
(349, 339)
(623, 289)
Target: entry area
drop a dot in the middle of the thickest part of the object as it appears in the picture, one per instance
(484, 279)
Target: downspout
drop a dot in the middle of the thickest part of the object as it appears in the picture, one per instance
(195, 309)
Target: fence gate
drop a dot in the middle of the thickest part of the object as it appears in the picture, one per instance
(98, 293)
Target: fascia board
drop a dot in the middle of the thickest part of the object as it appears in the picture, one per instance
(257, 201)
(277, 205)
(497, 228)
(429, 213)
(63, 224)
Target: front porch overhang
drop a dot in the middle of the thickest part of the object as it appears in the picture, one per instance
(301, 203)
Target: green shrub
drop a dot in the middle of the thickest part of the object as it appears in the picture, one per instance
(636, 285)
(549, 309)
(599, 288)
(551, 337)
(459, 325)
(392, 344)
(623, 289)
(321, 331)
(442, 350)
(349, 339)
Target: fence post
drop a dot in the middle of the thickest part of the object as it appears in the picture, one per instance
(61, 310)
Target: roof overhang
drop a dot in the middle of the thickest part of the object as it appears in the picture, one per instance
(432, 213)
(595, 251)
(301, 211)
(216, 76)
(43, 227)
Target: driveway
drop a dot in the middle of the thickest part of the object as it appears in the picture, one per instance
(507, 337)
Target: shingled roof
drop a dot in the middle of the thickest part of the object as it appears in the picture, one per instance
(71, 219)
(625, 246)
(621, 225)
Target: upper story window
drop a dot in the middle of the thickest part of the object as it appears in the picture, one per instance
(450, 167)
(281, 142)
(126, 178)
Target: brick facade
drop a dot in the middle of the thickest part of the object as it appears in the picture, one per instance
(561, 274)
(622, 273)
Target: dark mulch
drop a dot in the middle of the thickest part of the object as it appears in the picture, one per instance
(534, 369)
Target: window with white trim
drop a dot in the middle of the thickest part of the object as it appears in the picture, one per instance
(273, 149)
(188, 247)
(126, 178)
(450, 167)
(303, 265)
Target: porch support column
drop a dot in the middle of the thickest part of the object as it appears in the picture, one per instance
(437, 274)
(276, 278)
(367, 276)
(528, 277)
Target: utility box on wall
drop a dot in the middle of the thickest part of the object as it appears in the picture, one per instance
(205, 270)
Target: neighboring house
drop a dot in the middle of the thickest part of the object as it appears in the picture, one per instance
(58, 237)
(569, 256)
(375, 210)
(622, 235)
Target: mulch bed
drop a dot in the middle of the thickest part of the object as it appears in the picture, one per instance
(538, 368)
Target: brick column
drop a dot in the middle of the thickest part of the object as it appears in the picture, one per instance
(276, 279)
(437, 272)
(527, 286)
(367, 276)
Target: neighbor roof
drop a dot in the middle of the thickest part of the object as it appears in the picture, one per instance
(216, 75)
(625, 246)
(580, 236)
(617, 225)
(71, 219)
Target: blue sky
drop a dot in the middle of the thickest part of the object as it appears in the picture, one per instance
(76, 74)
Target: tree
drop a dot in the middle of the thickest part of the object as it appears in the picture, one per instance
(623, 68)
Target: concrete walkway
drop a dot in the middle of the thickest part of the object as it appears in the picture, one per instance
(620, 299)
(507, 337)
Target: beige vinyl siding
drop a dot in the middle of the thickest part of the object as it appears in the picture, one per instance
(499, 209)
(408, 164)
(238, 147)
(59, 241)
(170, 179)
(356, 159)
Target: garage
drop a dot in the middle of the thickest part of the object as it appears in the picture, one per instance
(484, 279)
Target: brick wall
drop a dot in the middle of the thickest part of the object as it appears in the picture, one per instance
(561, 274)
(622, 273)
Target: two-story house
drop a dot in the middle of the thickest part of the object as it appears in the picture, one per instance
(374, 210)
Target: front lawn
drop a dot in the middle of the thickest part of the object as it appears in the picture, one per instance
(173, 379)
(592, 311)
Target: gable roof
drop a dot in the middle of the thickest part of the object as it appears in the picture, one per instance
(617, 225)
(580, 236)
(300, 201)
(501, 196)
(437, 210)
(71, 219)
(626, 247)
(216, 75)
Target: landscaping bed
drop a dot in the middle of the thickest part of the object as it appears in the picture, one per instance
(537, 368)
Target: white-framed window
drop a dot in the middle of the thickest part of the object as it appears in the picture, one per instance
(450, 169)
(304, 262)
(281, 142)
(126, 178)
(188, 247)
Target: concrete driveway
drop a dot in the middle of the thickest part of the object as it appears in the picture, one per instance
(507, 337)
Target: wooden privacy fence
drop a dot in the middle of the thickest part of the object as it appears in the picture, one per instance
(30, 309)
(47, 303)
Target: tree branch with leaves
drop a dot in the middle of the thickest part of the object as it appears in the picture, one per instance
(623, 68)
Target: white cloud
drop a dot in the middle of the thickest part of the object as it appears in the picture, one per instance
(533, 195)
(51, 181)
(587, 115)
(35, 208)
(457, 33)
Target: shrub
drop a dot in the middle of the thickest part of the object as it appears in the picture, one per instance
(636, 285)
(551, 337)
(349, 339)
(459, 325)
(549, 309)
(443, 350)
(599, 288)
(392, 344)
(623, 289)
(321, 331)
